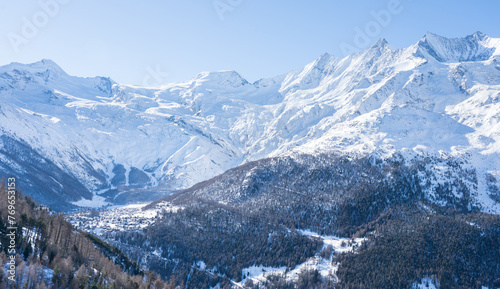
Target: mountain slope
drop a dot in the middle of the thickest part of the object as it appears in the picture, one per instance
(49, 252)
(438, 96)
(262, 214)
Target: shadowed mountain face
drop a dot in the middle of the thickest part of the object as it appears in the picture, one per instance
(47, 183)
(104, 141)
(335, 192)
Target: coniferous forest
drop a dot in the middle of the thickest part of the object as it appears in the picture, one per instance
(254, 214)
(51, 253)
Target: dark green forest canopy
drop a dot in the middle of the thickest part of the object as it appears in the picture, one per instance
(250, 215)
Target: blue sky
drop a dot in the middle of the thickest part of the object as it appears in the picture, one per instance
(160, 41)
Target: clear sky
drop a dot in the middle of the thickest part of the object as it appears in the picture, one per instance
(130, 40)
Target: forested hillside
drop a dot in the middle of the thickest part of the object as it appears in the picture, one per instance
(50, 253)
(415, 224)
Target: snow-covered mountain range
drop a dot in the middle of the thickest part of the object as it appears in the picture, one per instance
(72, 140)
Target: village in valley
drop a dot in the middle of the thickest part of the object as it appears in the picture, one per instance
(127, 218)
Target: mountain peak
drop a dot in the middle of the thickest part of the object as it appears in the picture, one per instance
(381, 43)
(323, 61)
(479, 34)
(222, 77)
(429, 34)
(380, 46)
(325, 56)
(47, 64)
(470, 48)
(45, 67)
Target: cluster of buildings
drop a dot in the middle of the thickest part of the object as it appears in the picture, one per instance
(129, 218)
